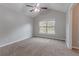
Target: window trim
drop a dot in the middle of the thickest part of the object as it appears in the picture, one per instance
(53, 26)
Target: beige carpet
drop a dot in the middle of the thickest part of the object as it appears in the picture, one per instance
(38, 47)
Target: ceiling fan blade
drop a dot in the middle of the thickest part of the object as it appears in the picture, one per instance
(37, 4)
(29, 5)
(31, 10)
(44, 8)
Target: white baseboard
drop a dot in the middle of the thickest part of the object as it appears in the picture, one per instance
(14, 41)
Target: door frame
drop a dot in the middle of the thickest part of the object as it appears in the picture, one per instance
(69, 26)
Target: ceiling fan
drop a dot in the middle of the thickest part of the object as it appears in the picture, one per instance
(36, 7)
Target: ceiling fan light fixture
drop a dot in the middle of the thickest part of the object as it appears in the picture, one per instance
(36, 10)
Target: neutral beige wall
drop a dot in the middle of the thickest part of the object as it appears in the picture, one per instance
(14, 26)
(60, 27)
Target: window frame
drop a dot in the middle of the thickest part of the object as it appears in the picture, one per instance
(47, 27)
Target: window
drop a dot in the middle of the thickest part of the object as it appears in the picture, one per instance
(47, 27)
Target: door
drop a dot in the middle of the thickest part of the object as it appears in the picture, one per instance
(75, 26)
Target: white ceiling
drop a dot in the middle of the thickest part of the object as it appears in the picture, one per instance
(21, 7)
(57, 6)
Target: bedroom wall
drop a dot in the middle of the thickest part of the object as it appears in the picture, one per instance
(60, 27)
(14, 26)
(69, 26)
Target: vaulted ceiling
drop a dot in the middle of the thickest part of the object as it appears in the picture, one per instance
(21, 7)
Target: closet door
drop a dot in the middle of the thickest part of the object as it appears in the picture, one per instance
(75, 26)
(78, 27)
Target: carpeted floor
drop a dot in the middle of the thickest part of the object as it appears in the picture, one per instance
(38, 47)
